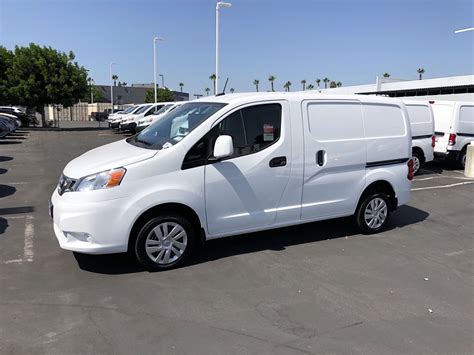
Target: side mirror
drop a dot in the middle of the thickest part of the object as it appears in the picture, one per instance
(224, 147)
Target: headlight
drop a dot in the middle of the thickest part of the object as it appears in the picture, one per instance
(103, 180)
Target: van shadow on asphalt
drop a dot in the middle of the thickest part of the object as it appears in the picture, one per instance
(275, 239)
(6, 190)
(3, 158)
(438, 166)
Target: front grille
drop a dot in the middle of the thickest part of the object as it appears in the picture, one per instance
(65, 184)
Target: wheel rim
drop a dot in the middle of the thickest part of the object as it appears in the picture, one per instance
(166, 243)
(416, 163)
(376, 213)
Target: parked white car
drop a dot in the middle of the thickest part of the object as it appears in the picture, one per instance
(235, 164)
(422, 130)
(454, 129)
(147, 121)
(114, 121)
(129, 122)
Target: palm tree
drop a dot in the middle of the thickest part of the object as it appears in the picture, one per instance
(232, 90)
(181, 86)
(338, 84)
(213, 78)
(256, 82)
(207, 91)
(115, 78)
(310, 87)
(318, 81)
(303, 82)
(421, 71)
(287, 85)
(386, 75)
(271, 79)
(326, 81)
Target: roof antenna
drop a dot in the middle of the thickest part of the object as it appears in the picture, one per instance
(223, 90)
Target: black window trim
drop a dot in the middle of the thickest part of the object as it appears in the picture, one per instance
(210, 159)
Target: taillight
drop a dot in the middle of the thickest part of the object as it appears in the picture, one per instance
(452, 139)
(433, 141)
(411, 171)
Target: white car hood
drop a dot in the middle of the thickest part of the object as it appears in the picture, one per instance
(109, 156)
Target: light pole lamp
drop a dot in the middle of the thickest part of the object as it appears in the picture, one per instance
(162, 80)
(111, 86)
(155, 39)
(219, 5)
(464, 30)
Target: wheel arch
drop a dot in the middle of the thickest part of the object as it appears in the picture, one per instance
(420, 151)
(379, 186)
(170, 207)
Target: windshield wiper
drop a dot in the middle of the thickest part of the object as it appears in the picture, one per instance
(142, 141)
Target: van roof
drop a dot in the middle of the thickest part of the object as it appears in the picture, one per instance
(292, 96)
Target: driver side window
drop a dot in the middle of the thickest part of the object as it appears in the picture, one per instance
(252, 129)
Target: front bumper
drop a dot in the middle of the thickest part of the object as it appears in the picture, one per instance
(90, 228)
(130, 126)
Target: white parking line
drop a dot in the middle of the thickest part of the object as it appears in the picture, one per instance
(442, 186)
(453, 253)
(28, 253)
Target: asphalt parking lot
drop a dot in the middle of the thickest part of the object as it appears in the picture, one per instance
(312, 289)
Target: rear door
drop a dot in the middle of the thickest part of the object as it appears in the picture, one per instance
(243, 192)
(334, 157)
(443, 115)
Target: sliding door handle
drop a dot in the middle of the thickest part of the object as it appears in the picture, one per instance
(321, 157)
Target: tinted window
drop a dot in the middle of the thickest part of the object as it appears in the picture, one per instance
(143, 109)
(252, 129)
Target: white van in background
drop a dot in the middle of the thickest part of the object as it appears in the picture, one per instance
(129, 122)
(234, 164)
(422, 132)
(147, 121)
(454, 129)
(114, 122)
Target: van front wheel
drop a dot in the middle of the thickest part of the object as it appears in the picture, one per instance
(164, 242)
(373, 213)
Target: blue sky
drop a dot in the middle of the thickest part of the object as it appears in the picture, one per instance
(347, 41)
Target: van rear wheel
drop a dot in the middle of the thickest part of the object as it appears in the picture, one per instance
(165, 242)
(373, 213)
(417, 162)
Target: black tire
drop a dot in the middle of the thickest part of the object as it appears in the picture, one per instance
(360, 213)
(462, 159)
(145, 235)
(417, 167)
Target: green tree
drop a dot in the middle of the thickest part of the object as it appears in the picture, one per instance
(232, 90)
(40, 76)
(256, 82)
(326, 81)
(287, 85)
(338, 84)
(303, 82)
(162, 95)
(420, 72)
(318, 81)
(207, 91)
(213, 78)
(271, 79)
(332, 84)
(386, 75)
(6, 59)
(96, 95)
(310, 87)
(181, 86)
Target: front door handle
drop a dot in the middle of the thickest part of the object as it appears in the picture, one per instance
(321, 157)
(278, 161)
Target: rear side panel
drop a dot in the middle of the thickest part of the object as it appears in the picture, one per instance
(422, 128)
(443, 115)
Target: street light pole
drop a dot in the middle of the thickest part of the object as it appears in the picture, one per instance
(155, 39)
(219, 5)
(162, 80)
(112, 87)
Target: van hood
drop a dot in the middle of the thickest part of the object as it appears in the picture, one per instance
(109, 156)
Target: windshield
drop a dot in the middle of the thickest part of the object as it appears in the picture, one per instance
(143, 109)
(128, 110)
(163, 109)
(175, 125)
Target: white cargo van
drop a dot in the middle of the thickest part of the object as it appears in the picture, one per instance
(129, 123)
(422, 132)
(234, 164)
(454, 129)
(147, 121)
